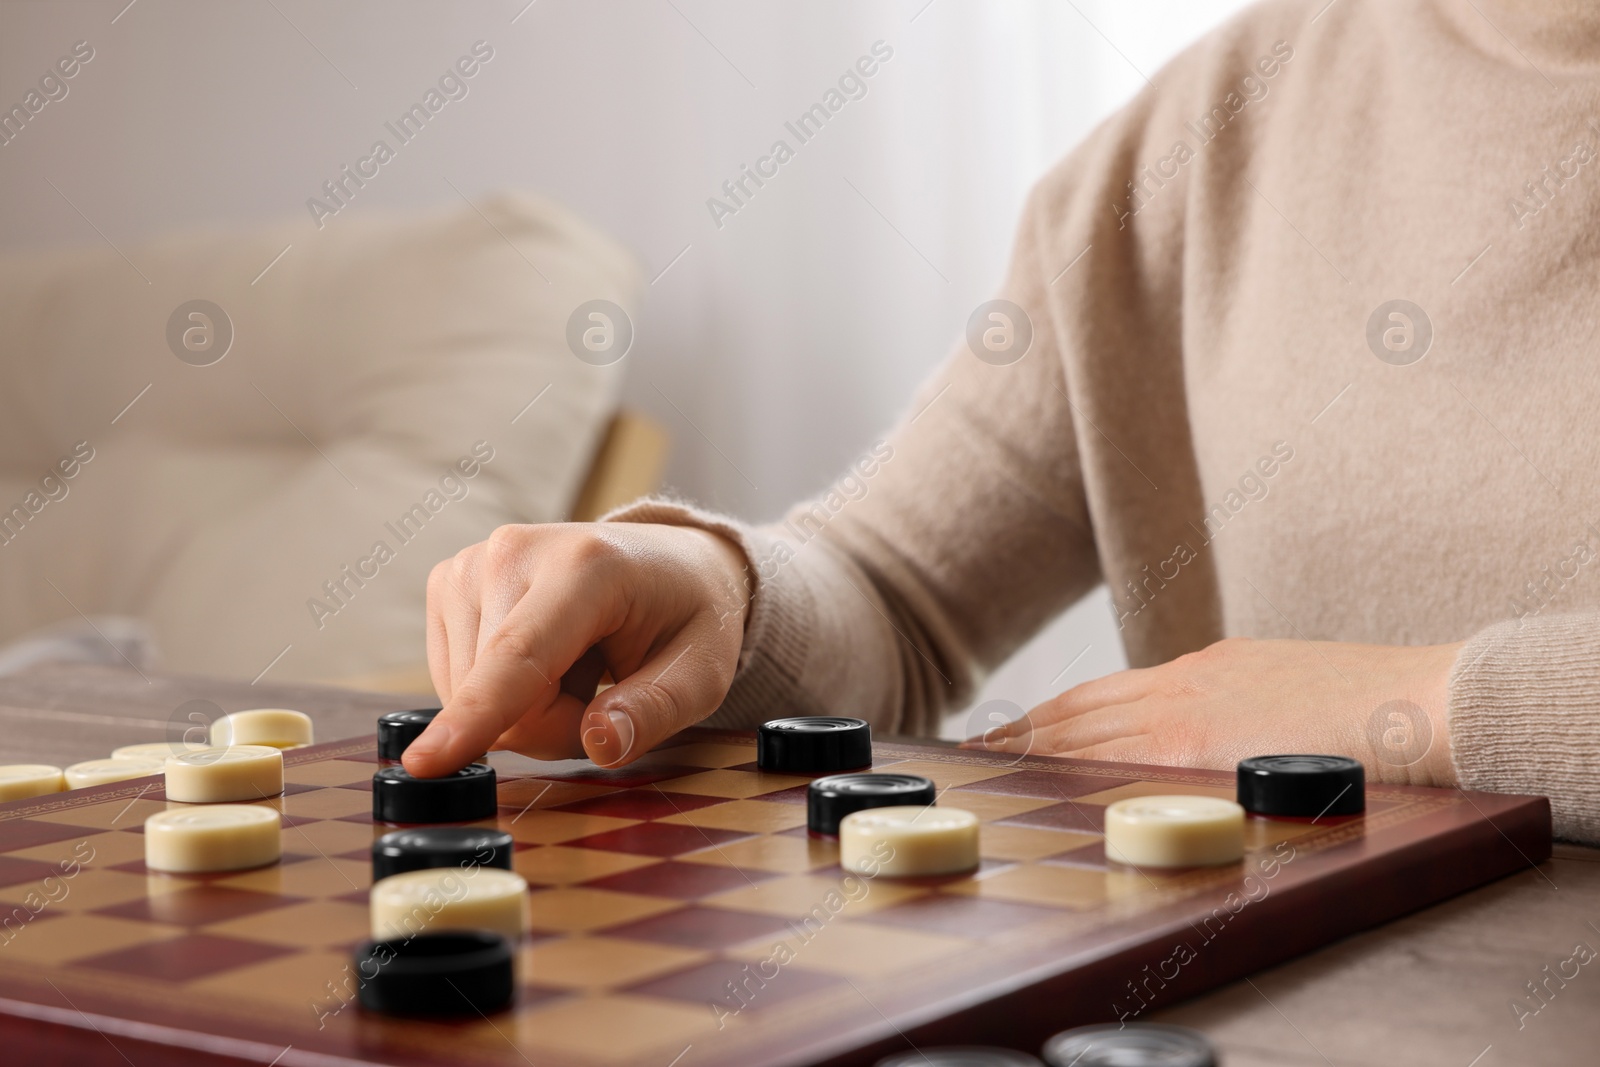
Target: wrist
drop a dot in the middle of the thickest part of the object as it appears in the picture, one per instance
(1432, 695)
(736, 581)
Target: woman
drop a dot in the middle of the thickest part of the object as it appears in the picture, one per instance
(1296, 353)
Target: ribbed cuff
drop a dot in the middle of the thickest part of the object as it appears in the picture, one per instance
(782, 618)
(1525, 716)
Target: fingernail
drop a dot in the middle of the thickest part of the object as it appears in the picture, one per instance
(622, 726)
(608, 736)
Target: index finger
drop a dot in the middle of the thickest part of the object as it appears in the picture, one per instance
(518, 672)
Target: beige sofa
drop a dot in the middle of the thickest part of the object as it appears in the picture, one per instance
(393, 390)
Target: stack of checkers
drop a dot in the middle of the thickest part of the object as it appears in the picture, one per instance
(447, 911)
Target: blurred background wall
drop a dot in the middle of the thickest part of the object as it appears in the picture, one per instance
(776, 345)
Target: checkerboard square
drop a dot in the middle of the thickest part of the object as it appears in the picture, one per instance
(596, 964)
(796, 895)
(657, 839)
(563, 865)
(1071, 888)
(683, 881)
(311, 924)
(55, 939)
(1030, 843)
(633, 776)
(1071, 815)
(194, 905)
(646, 803)
(862, 950)
(182, 959)
(309, 878)
(733, 785)
(95, 850)
(992, 807)
(699, 754)
(327, 803)
(578, 909)
(747, 816)
(541, 827)
(327, 837)
(14, 871)
(786, 853)
(89, 890)
(519, 794)
(306, 982)
(329, 772)
(698, 927)
(1092, 854)
(19, 834)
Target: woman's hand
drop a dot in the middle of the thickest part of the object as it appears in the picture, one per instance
(1382, 705)
(522, 626)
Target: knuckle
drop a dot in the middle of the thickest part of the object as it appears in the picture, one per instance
(1182, 673)
(505, 550)
(438, 580)
(655, 701)
(508, 538)
(461, 567)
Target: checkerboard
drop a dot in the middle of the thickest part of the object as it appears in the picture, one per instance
(683, 916)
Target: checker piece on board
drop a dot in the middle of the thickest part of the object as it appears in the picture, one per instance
(818, 744)
(212, 837)
(463, 973)
(1174, 831)
(466, 795)
(829, 800)
(909, 842)
(224, 775)
(274, 727)
(440, 846)
(21, 780)
(398, 729)
(1130, 1045)
(1302, 787)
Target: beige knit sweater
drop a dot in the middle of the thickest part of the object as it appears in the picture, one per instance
(1218, 416)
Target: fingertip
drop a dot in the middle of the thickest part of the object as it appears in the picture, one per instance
(426, 756)
(609, 736)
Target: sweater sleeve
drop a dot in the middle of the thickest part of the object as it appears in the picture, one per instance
(958, 537)
(1524, 715)
(940, 550)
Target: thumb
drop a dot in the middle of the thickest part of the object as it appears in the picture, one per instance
(677, 687)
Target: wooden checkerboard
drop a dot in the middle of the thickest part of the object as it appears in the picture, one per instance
(682, 915)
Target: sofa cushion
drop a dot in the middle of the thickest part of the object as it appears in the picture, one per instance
(369, 419)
